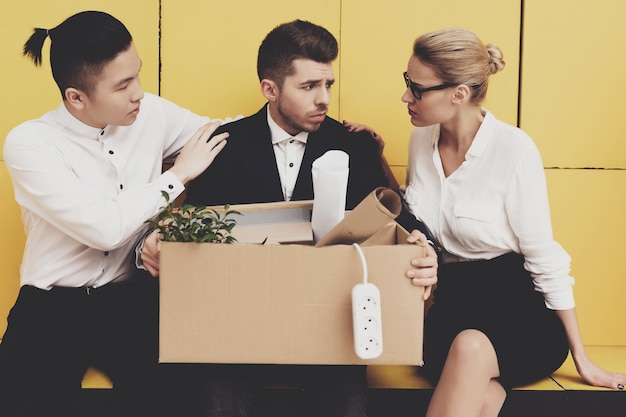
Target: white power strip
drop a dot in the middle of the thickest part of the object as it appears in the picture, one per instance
(366, 317)
(367, 323)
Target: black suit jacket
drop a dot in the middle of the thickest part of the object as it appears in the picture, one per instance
(245, 170)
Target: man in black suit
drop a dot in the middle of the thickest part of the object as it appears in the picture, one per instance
(249, 167)
(269, 155)
(268, 158)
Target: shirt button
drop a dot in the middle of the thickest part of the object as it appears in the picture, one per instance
(106, 253)
(121, 186)
(291, 165)
(111, 152)
(170, 186)
(291, 141)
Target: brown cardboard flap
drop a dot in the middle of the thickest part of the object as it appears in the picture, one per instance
(375, 211)
(392, 232)
(278, 205)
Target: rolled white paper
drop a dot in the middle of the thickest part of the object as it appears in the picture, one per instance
(330, 186)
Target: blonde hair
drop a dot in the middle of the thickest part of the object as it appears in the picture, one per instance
(458, 56)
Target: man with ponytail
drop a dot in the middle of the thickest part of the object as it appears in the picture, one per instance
(87, 175)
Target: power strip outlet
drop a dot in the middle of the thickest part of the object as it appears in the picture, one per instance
(367, 323)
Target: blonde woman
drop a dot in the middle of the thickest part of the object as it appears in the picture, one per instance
(504, 309)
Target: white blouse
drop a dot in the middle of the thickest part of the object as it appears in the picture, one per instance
(496, 202)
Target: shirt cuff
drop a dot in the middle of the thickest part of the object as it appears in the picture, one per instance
(138, 248)
(170, 183)
(562, 300)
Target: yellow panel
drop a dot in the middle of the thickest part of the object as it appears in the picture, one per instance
(209, 50)
(96, 379)
(10, 247)
(29, 91)
(544, 384)
(376, 43)
(408, 377)
(588, 219)
(573, 81)
(396, 376)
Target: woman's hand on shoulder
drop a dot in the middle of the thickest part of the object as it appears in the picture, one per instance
(358, 127)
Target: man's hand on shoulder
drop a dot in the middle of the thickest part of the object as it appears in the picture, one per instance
(199, 152)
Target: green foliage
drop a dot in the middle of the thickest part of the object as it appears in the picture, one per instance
(190, 223)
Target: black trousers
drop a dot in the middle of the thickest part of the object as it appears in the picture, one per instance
(53, 336)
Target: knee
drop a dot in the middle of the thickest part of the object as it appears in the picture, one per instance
(472, 345)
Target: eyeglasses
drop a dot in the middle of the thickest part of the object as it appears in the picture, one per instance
(417, 92)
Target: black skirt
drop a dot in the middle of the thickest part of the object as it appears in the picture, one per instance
(496, 297)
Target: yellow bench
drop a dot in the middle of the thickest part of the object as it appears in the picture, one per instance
(94, 379)
(565, 379)
(404, 377)
(399, 391)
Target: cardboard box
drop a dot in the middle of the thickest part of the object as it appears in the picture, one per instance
(284, 304)
(290, 303)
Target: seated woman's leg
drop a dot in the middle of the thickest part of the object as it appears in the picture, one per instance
(467, 378)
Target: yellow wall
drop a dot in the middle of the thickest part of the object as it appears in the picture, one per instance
(209, 50)
(571, 76)
(376, 44)
(571, 104)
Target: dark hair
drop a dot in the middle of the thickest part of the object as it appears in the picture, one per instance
(80, 47)
(294, 40)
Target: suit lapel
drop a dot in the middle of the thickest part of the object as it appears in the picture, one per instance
(317, 144)
(261, 159)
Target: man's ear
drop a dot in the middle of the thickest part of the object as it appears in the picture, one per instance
(75, 98)
(269, 89)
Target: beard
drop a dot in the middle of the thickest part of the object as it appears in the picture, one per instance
(296, 123)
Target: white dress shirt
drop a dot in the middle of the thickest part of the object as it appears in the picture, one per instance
(85, 192)
(496, 202)
(289, 151)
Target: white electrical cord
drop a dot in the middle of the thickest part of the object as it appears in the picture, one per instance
(363, 263)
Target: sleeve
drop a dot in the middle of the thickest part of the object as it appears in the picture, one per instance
(99, 217)
(407, 220)
(179, 124)
(529, 215)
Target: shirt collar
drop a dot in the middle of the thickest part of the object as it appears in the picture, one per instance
(280, 135)
(483, 136)
(75, 126)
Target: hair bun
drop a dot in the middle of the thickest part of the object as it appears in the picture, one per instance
(496, 63)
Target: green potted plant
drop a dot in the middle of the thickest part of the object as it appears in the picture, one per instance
(189, 223)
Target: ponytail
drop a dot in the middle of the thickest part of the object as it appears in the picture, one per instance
(34, 44)
(79, 48)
